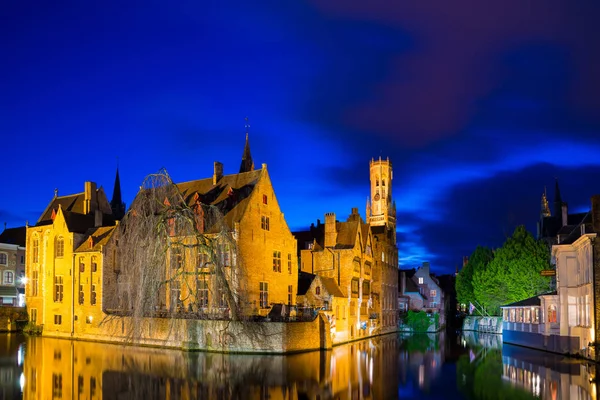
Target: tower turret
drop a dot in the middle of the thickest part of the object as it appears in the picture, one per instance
(381, 194)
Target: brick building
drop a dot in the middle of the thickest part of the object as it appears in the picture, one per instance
(12, 266)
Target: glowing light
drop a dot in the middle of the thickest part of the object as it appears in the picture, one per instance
(20, 355)
(22, 381)
(421, 375)
(24, 280)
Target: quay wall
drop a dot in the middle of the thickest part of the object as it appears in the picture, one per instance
(483, 324)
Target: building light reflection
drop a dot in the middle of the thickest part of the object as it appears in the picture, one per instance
(22, 381)
(421, 376)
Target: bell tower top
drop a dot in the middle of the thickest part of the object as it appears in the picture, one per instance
(382, 210)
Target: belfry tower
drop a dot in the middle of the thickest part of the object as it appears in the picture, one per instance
(381, 210)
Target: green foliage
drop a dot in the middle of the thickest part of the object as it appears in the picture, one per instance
(514, 272)
(419, 321)
(478, 261)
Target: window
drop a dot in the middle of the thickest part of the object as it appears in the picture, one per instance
(94, 264)
(175, 295)
(9, 278)
(366, 288)
(81, 294)
(318, 290)
(264, 199)
(3, 259)
(60, 247)
(527, 315)
(367, 268)
(33, 316)
(34, 283)
(80, 384)
(202, 293)
(202, 260)
(420, 280)
(92, 387)
(433, 293)
(222, 298)
(276, 261)
(22, 259)
(354, 285)
(176, 258)
(81, 265)
(264, 223)
(93, 295)
(552, 314)
(57, 319)
(225, 254)
(535, 315)
(35, 250)
(264, 295)
(289, 263)
(88, 319)
(57, 386)
(58, 288)
(290, 291)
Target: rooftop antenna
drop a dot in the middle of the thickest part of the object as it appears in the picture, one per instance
(56, 192)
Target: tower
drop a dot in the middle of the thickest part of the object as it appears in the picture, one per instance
(382, 207)
(116, 204)
(247, 164)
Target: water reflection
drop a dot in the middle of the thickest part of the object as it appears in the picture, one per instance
(469, 366)
(83, 370)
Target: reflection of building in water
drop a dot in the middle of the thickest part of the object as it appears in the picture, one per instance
(56, 368)
(486, 340)
(421, 358)
(545, 376)
(11, 367)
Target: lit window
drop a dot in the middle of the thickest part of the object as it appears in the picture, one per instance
(264, 295)
(3, 259)
(202, 293)
(35, 251)
(290, 290)
(276, 261)
(60, 247)
(552, 314)
(289, 263)
(58, 289)
(420, 280)
(432, 293)
(9, 278)
(318, 290)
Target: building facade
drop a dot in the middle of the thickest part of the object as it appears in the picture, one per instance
(12, 267)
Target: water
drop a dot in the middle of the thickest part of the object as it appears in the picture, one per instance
(441, 366)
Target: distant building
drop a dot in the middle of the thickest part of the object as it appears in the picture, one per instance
(12, 266)
(428, 295)
(557, 223)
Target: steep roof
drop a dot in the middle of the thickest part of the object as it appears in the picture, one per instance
(72, 202)
(305, 279)
(14, 236)
(345, 238)
(230, 195)
(98, 236)
(532, 301)
(411, 286)
(331, 286)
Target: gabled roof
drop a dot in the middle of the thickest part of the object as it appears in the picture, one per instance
(411, 286)
(99, 237)
(14, 236)
(305, 279)
(73, 203)
(331, 286)
(230, 195)
(345, 238)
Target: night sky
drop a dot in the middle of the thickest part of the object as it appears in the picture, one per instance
(479, 105)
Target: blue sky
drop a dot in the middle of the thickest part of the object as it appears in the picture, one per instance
(479, 106)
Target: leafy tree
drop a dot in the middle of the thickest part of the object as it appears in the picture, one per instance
(514, 272)
(478, 261)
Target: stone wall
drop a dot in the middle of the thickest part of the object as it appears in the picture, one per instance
(12, 318)
(483, 324)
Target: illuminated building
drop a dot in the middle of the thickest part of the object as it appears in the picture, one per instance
(12, 267)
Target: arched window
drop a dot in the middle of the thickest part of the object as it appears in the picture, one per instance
(552, 314)
(60, 247)
(8, 278)
(35, 250)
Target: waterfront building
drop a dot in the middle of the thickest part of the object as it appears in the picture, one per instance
(421, 291)
(60, 292)
(12, 267)
(563, 320)
(361, 257)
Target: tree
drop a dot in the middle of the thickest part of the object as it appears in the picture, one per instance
(478, 261)
(514, 272)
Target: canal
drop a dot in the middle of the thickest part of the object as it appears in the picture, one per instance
(425, 366)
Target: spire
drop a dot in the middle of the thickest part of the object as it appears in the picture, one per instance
(116, 204)
(545, 211)
(557, 200)
(247, 163)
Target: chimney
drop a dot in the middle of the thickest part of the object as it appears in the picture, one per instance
(402, 282)
(218, 174)
(354, 215)
(426, 267)
(596, 212)
(565, 214)
(90, 197)
(98, 218)
(330, 230)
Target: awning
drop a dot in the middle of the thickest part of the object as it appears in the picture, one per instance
(8, 291)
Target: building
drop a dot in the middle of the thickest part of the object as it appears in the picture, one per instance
(12, 266)
(563, 320)
(421, 291)
(558, 222)
(361, 257)
(226, 249)
(60, 290)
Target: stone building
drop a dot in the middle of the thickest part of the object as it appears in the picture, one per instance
(60, 291)
(361, 257)
(238, 213)
(420, 290)
(12, 266)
